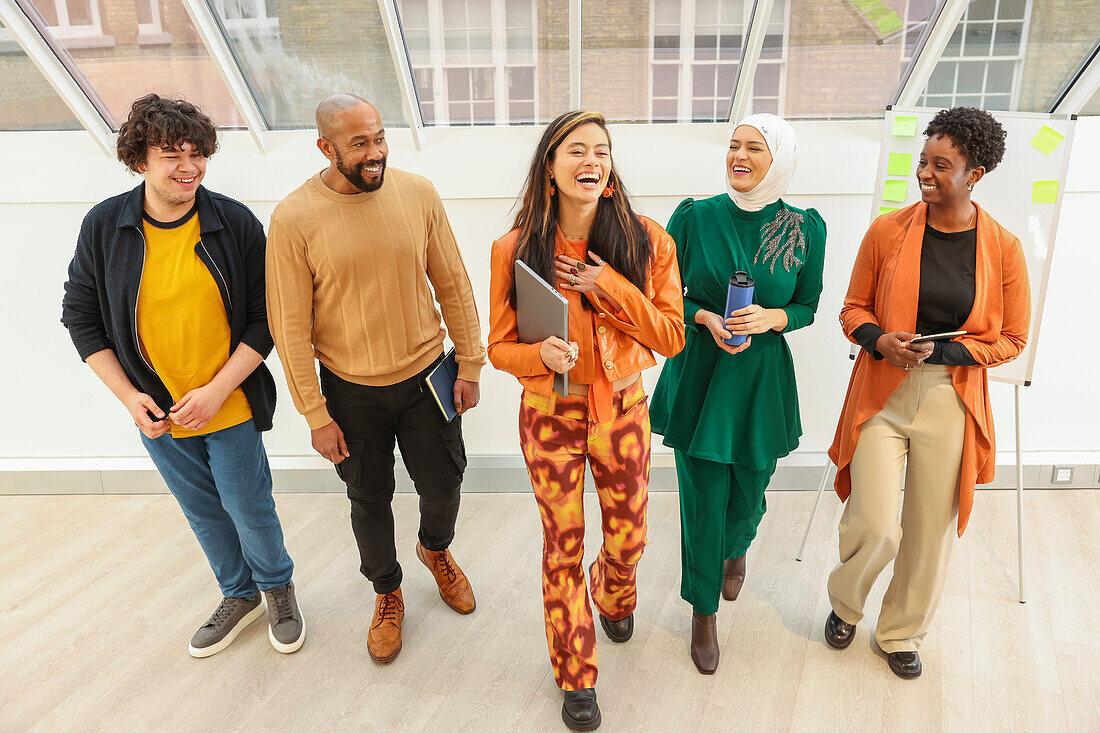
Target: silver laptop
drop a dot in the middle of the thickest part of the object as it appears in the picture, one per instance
(541, 312)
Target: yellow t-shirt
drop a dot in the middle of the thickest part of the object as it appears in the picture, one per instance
(181, 321)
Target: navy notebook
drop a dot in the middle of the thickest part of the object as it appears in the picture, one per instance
(441, 383)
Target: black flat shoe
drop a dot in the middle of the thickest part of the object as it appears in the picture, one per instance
(905, 664)
(618, 631)
(580, 711)
(838, 632)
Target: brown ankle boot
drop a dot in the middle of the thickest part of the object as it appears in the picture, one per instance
(704, 642)
(454, 589)
(733, 577)
(384, 637)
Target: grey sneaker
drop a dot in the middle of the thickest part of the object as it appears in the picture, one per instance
(287, 628)
(229, 619)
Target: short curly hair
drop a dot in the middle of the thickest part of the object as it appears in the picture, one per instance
(973, 132)
(159, 122)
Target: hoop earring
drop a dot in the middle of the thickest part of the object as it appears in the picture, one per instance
(608, 190)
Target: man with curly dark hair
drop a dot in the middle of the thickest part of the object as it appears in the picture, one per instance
(165, 302)
(917, 412)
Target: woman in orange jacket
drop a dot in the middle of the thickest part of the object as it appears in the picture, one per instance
(618, 270)
(921, 410)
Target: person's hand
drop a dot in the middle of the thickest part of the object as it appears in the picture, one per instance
(557, 355)
(713, 323)
(581, 276)
(753, 319)
(139, 407)
(467, 395)
(896, 348)
(329, 442)
(198, 407)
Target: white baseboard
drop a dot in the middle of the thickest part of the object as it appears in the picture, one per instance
(485, 473)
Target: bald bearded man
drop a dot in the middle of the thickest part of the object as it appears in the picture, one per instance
(353, 257)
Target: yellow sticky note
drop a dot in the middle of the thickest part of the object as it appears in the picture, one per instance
(901, 164)
(886, 209)
(1044, 192)
(879, 11)
(895, 190)
(905, 126)
(887, 24)
(1046, 140)
(865, 5)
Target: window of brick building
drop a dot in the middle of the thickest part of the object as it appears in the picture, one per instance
(473, 61)
(27, 101)
(981, 65)
(695, 54)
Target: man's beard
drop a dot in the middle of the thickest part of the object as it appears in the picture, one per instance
(356, 179)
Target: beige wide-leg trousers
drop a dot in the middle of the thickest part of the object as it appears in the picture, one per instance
(917, 437)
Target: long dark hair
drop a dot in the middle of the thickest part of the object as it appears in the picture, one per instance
(618, 237)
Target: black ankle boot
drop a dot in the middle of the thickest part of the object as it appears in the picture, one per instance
(618, 631)
(580, 711)
(838, 632)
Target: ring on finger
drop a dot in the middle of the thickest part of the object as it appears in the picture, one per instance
(580, 266)
(573, 280)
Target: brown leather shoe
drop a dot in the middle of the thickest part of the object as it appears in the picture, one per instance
(454, 589)
(384, 637)
(733, 577)
(704, 642)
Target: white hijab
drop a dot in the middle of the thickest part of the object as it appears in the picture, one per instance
(779, 135)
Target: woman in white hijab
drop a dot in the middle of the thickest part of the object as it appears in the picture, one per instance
(730, 412)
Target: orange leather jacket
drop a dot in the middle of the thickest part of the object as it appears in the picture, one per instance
(613, 344)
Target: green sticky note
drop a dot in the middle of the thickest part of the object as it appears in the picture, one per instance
(1046, 140)
(886, 209)
(887, 24)
(865, 5)
(901, 164)
(905, 126)
(1044, 192)
(879, 11)
(895, 190)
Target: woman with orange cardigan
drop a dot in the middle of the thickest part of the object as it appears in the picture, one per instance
(921, 410)
(575, 227)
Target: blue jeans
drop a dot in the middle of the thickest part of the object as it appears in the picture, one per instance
(223, 484)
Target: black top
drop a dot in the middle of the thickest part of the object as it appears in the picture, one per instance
(99, 307)
(947, 262)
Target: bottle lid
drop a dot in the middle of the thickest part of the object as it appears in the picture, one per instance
(741, 280)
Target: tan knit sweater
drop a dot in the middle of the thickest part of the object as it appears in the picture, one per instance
(348, 283)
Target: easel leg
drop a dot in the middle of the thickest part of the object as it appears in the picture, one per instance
(1019, 498)
(810, 522)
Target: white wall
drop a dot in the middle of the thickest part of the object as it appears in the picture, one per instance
(57, 414)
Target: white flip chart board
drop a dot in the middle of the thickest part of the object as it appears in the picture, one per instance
(1024, 193)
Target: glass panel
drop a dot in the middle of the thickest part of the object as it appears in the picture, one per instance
(292, 59)
(628, 46)
(493, 58)
(1093, 106)
(835, 58)
(102, 39)
(1027, 50)
(27, 101)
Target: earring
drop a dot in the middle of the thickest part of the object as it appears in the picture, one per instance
(970, 187)
(553, 189)
(608, 190)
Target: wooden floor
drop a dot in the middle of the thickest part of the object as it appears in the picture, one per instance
(100, 594)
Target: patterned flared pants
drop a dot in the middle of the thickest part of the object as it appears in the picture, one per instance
(558, 439)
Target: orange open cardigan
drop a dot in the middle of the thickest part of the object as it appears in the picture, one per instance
(884, 290)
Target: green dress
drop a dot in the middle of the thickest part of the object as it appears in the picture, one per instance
(731, 416)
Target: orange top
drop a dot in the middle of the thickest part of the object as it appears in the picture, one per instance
(612, 344)
(884, 290)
